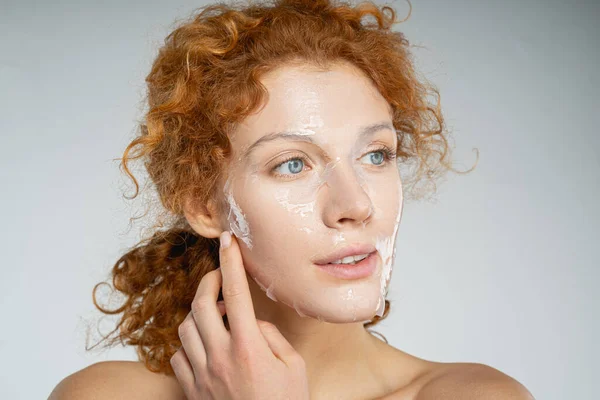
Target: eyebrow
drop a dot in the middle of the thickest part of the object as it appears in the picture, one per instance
(297, 135)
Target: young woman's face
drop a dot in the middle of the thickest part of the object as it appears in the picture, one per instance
(311, 175)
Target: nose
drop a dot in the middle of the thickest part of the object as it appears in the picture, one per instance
(347, 204)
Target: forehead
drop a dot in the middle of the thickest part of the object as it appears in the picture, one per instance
(331, 103)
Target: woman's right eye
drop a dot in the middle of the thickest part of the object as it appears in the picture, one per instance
(292, 166)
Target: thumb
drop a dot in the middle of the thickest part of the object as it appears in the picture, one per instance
(278, 343)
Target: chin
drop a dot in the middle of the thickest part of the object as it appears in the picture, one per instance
(332, 300)
(341, 311)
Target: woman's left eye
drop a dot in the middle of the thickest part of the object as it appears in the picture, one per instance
(376, 157)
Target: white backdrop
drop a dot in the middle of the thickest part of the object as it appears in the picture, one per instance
(500, 270)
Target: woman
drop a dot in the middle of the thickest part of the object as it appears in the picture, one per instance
(275, 139)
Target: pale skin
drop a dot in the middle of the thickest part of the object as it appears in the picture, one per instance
(270, 351)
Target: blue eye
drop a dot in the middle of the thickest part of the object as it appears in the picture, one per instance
(376, 157)
(294, 166)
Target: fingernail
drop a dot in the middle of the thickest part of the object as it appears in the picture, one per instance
(225, 239)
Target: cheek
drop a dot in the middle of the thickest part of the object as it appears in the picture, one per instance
(282, 210)
(386, 195)
(391, 201)
(279, 225)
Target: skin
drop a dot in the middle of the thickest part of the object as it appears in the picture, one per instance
(294, 330)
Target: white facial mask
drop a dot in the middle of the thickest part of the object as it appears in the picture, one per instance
(298, 203)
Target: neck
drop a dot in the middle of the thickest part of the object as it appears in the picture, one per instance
(335, 354)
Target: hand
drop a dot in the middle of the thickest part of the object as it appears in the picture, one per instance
(252, 360)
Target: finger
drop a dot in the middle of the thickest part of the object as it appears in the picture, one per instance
(205, 312)
(236, 292)
(182, 369)
(277, 342)
(192, 344)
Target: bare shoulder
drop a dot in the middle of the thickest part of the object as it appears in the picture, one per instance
(117, 380)
(470, 381)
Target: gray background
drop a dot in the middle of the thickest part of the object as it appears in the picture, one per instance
(500, 270)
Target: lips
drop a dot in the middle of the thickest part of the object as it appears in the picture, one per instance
(356, 249)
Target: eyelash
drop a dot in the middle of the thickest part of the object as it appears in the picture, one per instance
(388, 155)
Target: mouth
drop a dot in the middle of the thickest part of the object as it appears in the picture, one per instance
(348, 255)
(351, 268)
(352, 262)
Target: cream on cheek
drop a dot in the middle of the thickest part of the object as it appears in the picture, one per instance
(236, 218)
(386, 247)
(278, 235)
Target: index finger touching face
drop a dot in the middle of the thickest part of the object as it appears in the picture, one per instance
(236, 292)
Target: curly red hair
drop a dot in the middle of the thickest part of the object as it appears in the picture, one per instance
(204, 81)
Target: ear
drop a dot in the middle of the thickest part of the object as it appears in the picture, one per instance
(204, 219)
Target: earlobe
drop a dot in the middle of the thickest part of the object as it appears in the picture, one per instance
(204, 219)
